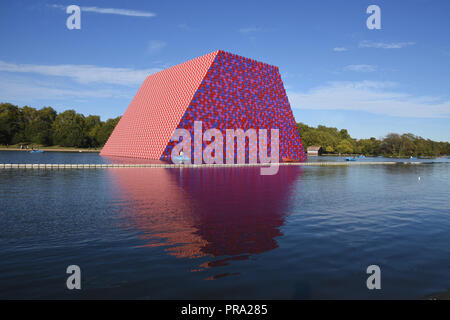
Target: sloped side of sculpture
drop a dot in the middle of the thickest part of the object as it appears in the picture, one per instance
(152, 116)
(241, 93)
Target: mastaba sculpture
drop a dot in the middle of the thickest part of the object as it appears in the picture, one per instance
(220, 89)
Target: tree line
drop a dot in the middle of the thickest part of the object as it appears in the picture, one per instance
(336, 141)
(46, 127)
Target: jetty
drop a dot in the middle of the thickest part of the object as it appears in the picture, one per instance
(169, 166)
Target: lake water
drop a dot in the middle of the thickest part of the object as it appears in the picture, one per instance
(211, 233)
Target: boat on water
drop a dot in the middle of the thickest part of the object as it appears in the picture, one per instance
(36, 151)
(350, 159)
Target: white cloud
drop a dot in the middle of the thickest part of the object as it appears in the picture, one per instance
(339, 49)
(370, 96)
(116, 11)
(384, 45)
(361, 68)
(24, 89)
(123, 12)
(83, 73)
(156, 46)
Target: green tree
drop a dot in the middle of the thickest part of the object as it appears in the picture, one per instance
(391, 144)
(344, 134)
(27, 117)
(92, 125)
(69, 130)
(408, 147)
(37, 125)
(329, 149)
(103, 132)
(345, 146)
(10, 124)
(43, 127)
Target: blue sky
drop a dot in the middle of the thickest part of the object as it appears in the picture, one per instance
(336, 71)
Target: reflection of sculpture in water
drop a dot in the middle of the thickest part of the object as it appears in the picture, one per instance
(215, 212)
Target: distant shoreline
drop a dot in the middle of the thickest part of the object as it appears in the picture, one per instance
(54, 149)
(80, 150)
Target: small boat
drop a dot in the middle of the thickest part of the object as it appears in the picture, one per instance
(362, 156)
(350, 159)
(36, 151)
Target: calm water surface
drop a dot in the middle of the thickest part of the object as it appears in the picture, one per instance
(212, 233)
